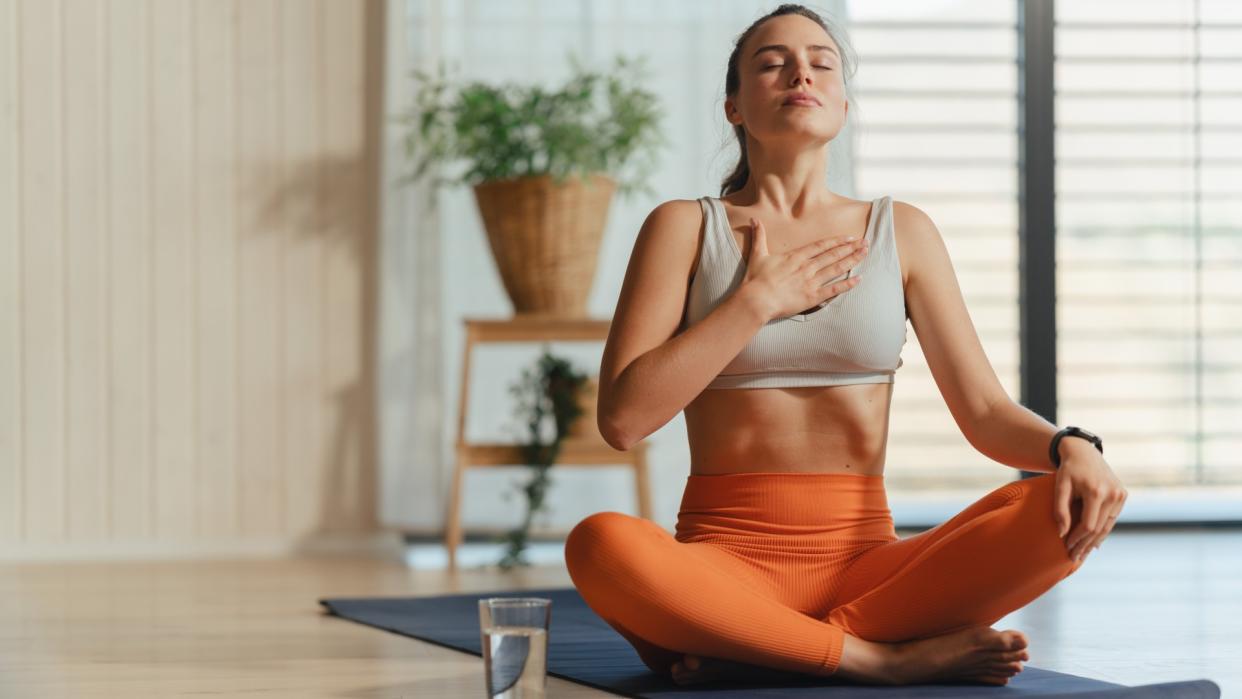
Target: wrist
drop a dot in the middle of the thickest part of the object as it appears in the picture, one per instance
(755, 302)
(1071, 443)
(1069, 440)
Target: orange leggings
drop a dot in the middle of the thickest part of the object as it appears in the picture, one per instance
(773, 569)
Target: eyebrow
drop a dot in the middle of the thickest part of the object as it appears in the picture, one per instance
(782, 47)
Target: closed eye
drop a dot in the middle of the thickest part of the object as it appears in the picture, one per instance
(781, 65)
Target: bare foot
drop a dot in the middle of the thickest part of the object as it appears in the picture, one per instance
(694, 669)
(974, 654)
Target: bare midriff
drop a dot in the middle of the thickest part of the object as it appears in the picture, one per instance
(815, 429)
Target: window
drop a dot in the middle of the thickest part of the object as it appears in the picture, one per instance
(1149, 243)
(936, 119)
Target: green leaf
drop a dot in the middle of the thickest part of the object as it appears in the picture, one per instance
(595, 123)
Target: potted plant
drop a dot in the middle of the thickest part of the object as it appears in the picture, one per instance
(552, 390)
(543, 166)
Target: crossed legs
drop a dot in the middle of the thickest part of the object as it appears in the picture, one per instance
(669, 598)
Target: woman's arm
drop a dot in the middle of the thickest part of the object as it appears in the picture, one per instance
(648, 375)
(989, 419)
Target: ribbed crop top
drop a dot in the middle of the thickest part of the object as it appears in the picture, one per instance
(855, 337)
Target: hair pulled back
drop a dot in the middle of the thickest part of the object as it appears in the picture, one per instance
(741, 172)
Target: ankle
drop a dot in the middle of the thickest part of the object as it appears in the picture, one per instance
(869, 661)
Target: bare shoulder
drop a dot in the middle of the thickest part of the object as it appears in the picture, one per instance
(915, 235)
(653, 294)
(908, 211)
(678, 211)
(675, 227)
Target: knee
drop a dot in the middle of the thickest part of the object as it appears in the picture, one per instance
(602, 534)
(1039, 496)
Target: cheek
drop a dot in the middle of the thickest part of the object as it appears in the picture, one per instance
(834, 88)
(835, 99)
(834, 104)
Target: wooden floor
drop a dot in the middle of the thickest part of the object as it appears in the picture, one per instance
(1147, 607)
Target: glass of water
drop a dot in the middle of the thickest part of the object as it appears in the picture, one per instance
(515, 645)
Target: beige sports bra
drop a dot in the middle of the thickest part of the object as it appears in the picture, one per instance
(854, 337)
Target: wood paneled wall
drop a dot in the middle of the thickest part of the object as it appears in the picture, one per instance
(187, 243)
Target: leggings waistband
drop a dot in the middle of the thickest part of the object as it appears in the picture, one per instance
(814, 505)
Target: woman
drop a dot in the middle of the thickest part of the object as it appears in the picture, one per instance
(785, 561)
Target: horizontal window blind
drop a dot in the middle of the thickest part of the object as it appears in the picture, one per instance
(1149, 249)
(935, 114)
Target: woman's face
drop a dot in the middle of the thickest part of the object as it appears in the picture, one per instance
(769, 75)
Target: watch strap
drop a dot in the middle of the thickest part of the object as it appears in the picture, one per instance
(1071, 431)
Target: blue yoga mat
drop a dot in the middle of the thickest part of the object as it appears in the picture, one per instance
(583, 648)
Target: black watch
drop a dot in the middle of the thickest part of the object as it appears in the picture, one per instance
(1072, 432)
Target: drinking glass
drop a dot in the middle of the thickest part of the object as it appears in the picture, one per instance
(515, 645)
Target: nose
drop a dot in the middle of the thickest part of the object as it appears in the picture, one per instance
(802, 73)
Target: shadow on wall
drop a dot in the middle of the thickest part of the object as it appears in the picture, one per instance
(334, 200)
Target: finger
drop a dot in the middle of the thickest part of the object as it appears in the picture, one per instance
(819, 249)
(840, 264)
(1095, 541)
(1091, 504)
(838, 287)
(832, 241)
(1061, 502)
(1076, 538)
(759, 239)
(1092, 541)
(1109, 522)
(815, 248)
(1084, 550)
(1084, 546)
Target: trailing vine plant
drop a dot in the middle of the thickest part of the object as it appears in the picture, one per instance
(551, 389)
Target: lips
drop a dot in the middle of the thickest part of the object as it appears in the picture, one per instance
(801, 98)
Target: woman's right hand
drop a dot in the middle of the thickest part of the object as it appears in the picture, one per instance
(796, 280)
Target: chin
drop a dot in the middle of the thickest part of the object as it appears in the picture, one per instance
(815, 133)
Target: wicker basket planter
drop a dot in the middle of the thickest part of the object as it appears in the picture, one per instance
(545, 239)
(544, 166)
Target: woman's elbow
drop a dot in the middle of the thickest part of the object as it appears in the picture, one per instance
(613, 433)
(611, 424)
